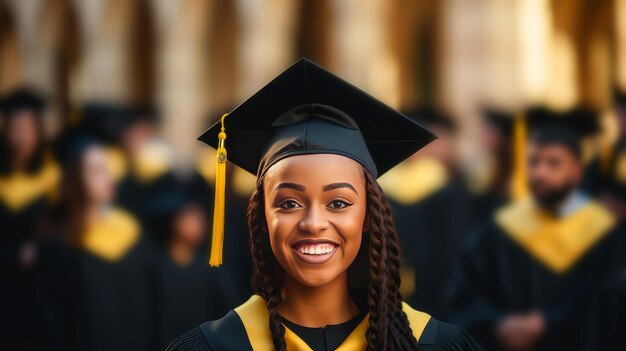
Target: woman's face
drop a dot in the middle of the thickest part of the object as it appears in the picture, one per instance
(315, 208)
(23, 134)
(97, 177)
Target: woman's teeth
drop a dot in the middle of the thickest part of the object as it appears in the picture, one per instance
(319, 249)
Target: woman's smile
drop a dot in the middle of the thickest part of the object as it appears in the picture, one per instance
(315, 251)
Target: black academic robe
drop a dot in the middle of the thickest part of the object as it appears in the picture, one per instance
(187, 295)
(24, 200)
(91, 302)
(508, 268)
(431, 231)
(138, 195)
(246, 328)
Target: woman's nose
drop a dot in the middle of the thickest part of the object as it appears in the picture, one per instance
(314, 222)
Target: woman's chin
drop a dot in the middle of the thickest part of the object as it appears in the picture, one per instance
(316, 278)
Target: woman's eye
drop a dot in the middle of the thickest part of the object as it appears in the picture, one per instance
(289, 204)
(339, 204)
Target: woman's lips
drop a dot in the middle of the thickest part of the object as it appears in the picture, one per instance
(315, 252)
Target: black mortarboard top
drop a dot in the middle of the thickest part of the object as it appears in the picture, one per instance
(104, 121)
(73, 146)
(23, 98)
(580, 120)
(500, 119)
(143, 112)
(431, 116)
(308, 110)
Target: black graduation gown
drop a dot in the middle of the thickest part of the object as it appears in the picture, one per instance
(137, 196)
(187, 296)
(24, 200)
(91, 303)
(431, 232)
(498, 276)
(230, 333)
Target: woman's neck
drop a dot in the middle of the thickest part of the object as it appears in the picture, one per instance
(317, 307)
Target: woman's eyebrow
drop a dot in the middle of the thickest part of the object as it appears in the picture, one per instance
(339, 185)
(293, 186)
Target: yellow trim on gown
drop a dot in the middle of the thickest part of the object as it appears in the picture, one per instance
(255, 318)
(558, 243)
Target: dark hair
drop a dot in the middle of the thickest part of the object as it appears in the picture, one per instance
(68, 216)
(388, 325)
(558, 135)
(6, 154)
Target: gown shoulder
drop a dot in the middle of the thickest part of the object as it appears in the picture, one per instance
(227, 333)
(448, 337)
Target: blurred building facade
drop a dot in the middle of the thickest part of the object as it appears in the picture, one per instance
(196, 59)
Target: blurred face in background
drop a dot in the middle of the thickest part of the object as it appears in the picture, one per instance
(189, 225)
(443, 148)
(97, 177)
(136, 135)
(554, 172)
(23, 134)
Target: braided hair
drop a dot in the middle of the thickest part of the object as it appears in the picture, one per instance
(389, 327)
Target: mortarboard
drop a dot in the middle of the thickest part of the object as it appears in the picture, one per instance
(309, 110)
(23, 98)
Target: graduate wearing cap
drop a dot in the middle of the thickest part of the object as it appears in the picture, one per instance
(148, 167)
(188, 292)
(28, 180)
(527, 275)
(326, 256)
(96, 270)
(429, 207)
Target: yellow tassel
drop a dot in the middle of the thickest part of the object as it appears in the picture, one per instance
(519, 183)
(217, 241)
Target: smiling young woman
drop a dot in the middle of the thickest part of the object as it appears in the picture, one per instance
(326, 256)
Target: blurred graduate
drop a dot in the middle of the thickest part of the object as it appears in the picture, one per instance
(527, 276)
(29, 177)
(326, 256)
(188, 292)
(429, 207)
(95, 268)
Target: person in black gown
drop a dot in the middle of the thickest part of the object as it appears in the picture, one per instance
(430, 213)
(29, 177)
(95, 269)
(527, 275)
(148, 166)
(326, 256)
(187, 291)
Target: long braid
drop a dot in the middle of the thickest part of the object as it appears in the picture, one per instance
(388, 323)
(264, 282)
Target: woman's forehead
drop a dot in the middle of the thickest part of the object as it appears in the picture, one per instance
(315, 168)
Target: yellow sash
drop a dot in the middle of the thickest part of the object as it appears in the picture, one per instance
(411, 182)
(111, 237)
(116, 161)
(255, 318)
(20, 189)
(557, 243)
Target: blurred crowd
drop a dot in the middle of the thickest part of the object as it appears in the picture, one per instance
(106, 198)
(104, 245)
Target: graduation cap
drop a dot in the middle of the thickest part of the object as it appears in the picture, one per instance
(308, 110)
(104, 121)
(500, 119)
(432, 117)
(574, 124)
(23, 98)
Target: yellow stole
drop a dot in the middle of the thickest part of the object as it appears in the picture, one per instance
(255, 318)
(153, 161)
(411, 182)
(112, 236)
(557, 243)
(20, 189)
(116, 161)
